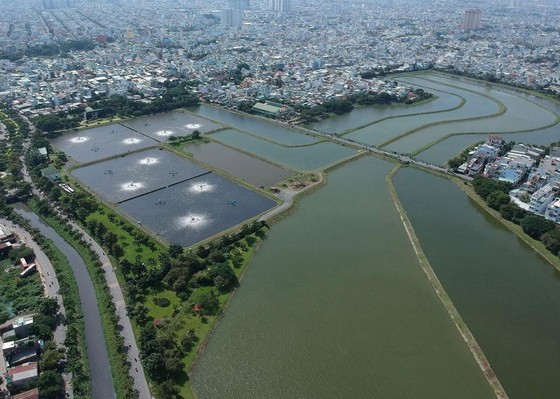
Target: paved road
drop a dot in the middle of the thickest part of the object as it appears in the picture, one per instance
(287, 197)
(100, 368)
(50, 283)
(136, 370)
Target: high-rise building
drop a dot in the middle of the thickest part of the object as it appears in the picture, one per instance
(280, 5)
(231, 17)
(239, 4)
(52, 4)
(472, 19)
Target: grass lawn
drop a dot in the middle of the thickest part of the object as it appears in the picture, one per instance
(126, 240)
(158, 312)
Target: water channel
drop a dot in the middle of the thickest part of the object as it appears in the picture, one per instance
(316, 156)
(100, 369)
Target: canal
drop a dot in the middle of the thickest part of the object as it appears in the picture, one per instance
(100, 369)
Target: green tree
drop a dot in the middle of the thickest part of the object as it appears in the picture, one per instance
(224, 278)
(496, 199)
(535, 226)
(167, 389)
(50, 359)
(484, 187)
(207, 300)
(50, 384)
(21, 252)
(154, 364)
(188, 341)
(42, 326)
(551, 240)
(512, 212)
(174, 251)
(49, 307)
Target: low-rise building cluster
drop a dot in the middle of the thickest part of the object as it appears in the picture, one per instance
(21, 349)
(533, 172)
(20, 355)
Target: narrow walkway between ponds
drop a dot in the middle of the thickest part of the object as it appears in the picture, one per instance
(100, 369)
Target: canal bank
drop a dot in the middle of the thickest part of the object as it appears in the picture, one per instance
(445, 300)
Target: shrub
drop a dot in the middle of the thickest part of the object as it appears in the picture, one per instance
(162, 302)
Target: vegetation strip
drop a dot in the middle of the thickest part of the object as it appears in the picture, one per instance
(440, 291)
(536, 245)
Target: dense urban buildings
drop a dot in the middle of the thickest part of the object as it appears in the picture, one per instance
(317, 51)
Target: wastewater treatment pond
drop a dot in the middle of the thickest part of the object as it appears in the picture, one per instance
(171, 196)
(162, 126)
(101, 142)
(130, 176)
(240, 165)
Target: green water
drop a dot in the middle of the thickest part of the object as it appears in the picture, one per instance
(508, 295)
(521, 114)
(243, 166)
(335, 305)
(368, 114)
(311, 157)
(475, 105)
(440, 153)
(263, 128)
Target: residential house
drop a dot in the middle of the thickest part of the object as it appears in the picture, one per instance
(22, 374)
(542, 198)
